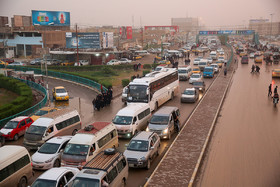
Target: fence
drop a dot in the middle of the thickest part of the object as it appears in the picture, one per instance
(231, 55)
(31, 109)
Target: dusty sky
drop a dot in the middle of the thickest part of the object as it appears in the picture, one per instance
(148, 12)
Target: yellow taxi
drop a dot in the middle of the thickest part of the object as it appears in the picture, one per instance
(3, 63)
(242, 54)
(66, 63)
(220, 63)
(258, 60)
(196, 70)
(158, 57)
(60, 93)
(276, 73)
(137, 57)
(165, 62)
(43, 111)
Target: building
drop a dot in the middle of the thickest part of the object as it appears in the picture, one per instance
(187, 24)
(264, 27)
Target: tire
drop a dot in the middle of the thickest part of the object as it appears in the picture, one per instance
(148, 164)
(22, 182)
(123, 182)
(172, 96)
(74, 132)
(56, 163)
(15, 137)
(156, 106)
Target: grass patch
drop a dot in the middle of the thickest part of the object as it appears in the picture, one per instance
(6, 96)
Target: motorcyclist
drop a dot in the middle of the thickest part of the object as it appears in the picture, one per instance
(276, 98)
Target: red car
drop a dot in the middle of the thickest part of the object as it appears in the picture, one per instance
(8, 60)
(16, 127)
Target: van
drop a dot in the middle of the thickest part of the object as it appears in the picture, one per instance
(208, 72)
(88, 142)
(184, 72)
(162, 122)
(213, 55)
(132, 119)
(202, 64)
(15, 166)
(109, 166)
(57, 123)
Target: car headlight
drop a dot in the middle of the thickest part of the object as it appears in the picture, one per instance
(200, 88)
(47, 161)
(142, 159)
(147, 129)
(165, 131)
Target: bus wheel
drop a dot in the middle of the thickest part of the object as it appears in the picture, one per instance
(172, 96)
(22, 182)
(74, 132)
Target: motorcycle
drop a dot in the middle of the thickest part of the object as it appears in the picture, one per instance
(275, 101)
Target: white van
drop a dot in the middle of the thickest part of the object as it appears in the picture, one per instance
(15, 166)
(202, 64)
(184, 72)
(213, 55)
(108, 166)
(132, 119)
(57, 123)
(88, 142)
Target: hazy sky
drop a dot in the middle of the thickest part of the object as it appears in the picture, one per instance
(148, 12)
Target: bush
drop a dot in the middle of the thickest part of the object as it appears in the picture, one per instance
(145, 72)
(106, 84)
(147, 66)
(125, 82)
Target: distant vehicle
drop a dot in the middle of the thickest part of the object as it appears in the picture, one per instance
(82, 63)
(221, 58)
(161, 67)
(199, 85)
(8, 60)
(276, 73)
(196, 61)
(210, 60)
(213, 55)
(17, 64)
(252, 55)
(242, 54)
(195, 70)
(60, 93)
(195, 77)
(220, 64)
(245, 59)
(184, 72)
(208, 72)
(36, 61)
(114, 62)
(125, 61)
(190, 95)
(142, 53)
(43, 111)
(142, 149)
(257, 59)
(16, 127)
(202, 64)
(165, 62)
(3, 63)
(216, 68)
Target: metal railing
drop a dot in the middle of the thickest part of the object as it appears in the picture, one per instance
(231, 55)
(32, 109)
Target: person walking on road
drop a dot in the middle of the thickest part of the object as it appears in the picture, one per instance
(269, 90)
(275, 90)
(253, 68)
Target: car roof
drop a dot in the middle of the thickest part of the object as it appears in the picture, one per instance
(143, 135)
(59, 139)
(19, 118)
(166, 110)
(54, 173)
(190, 89)
(59, 87)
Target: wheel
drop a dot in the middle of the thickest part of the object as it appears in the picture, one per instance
(22, 182)
(156, 106)
(16, 137)
(56, 163)
(123, 182)
(148, 164)
(74, 132)
(172, 96)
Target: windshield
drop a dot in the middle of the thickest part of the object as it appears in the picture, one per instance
(85, 182)
(196, 69)
(49, 148)
(11, 125)
(41, 112)
(60, 90)
(160, 120)
(208, 70)
(137, 93)
(33, 129)
(76, 149)
(188, 92)
(43, 183)
(202, 63)
(182, 71)
(122, 120)
(138, 145)
(195, 76)
(198, 83)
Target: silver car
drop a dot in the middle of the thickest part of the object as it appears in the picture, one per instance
(142, 149)
(190, 95)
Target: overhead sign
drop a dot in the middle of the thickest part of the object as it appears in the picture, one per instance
(230, 32)
(85, 40)
(50, 18)
(108, 39)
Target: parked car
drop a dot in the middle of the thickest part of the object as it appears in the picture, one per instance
(199, 85)
(16, 127)
(49, 154)
(3, 63)
(195, 77)
(60, 93)
(43, 111)
(17, 64)
(142, 149)
(81, 63)
(125, 61)
(36, 61)
(114, 62)
(190, 95)
(55, 177)
(216, 68)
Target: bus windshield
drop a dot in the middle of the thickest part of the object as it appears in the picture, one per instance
(138, 93)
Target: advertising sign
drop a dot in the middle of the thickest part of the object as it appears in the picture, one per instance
(128, 32)
(125, 33)
(230, 32)
(108, 39)
(85, 40)
(50, 18)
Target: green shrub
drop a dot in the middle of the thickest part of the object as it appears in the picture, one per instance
(125, 82)
(146, 72)
(106, 84)
(147, 66)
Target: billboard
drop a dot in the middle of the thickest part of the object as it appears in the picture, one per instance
(126, 33)
(85, 40)
(108, 39)
(50, 18)
(231, 32)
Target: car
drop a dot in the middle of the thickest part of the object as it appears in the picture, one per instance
(210, 60)
(36, 61)
(142, 149)
(125, 61)
(161, 67)
(17, 64)
(242, 54)
(199, 85)
(190, 95)
(8, 60)
(3, 63)
(196, 61)
(55, 177)
(195, 70)
(276, 73)
(16, 127)
(244, 59)
(165, 62)
(258, 59)
(216, 68)
(195, 77)
(43, 111)
(81, 63)
(252, 55)
(220, 64)
(60, 93)
(221, 58)
(221, 52)
(49, 154)
(114, 62)
(64, 63)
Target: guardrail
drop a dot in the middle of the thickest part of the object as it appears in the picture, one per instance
(31, 109)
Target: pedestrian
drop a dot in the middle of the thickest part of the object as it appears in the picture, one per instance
(269, 90)
(93, 104)
(110, 94)
(139, 66)
(225, 71)
(275, 89)
(253, 68)
(188, 55)
(258, 69)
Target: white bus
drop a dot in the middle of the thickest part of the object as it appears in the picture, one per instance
(155, 88)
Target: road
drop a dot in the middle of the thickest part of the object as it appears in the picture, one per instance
(80, 99)
(245, 147)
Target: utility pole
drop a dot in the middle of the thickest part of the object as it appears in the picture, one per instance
(77, 41)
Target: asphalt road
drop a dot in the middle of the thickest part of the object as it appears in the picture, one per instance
(245, 147)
